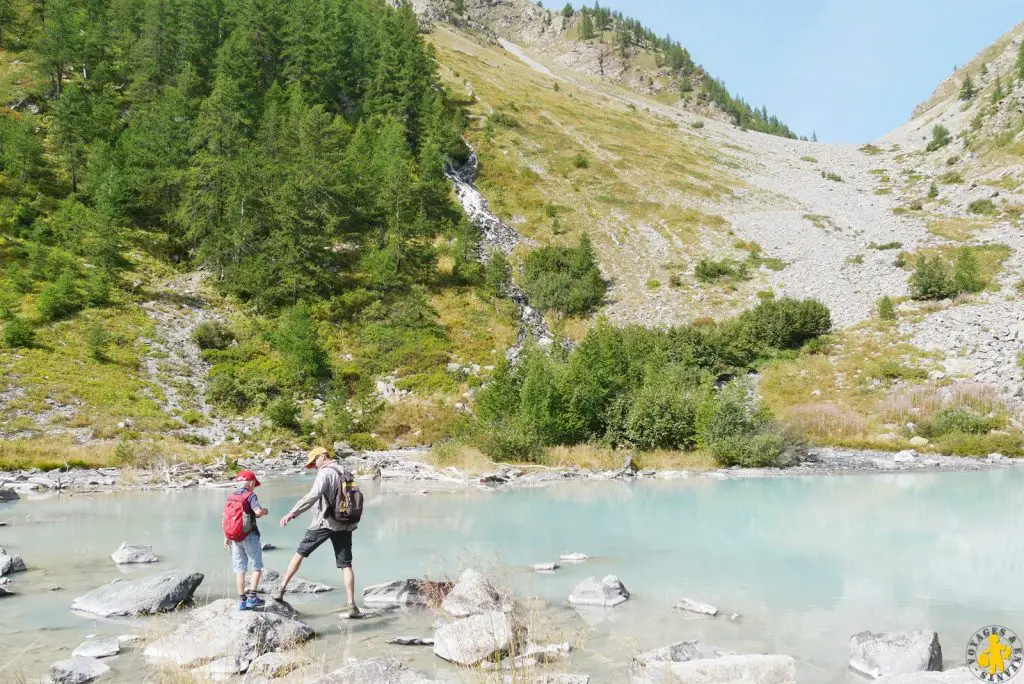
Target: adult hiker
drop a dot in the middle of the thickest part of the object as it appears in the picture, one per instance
(337, 506)
(242, 536)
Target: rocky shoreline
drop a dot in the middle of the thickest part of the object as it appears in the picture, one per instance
(407, 466)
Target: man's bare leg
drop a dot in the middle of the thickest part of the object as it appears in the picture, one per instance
(349, 576)
(293, 567)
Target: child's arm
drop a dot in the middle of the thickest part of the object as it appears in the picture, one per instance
(257, 510)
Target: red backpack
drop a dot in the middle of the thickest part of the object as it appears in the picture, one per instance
(237, 521)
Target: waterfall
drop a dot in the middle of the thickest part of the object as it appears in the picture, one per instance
(497, 237)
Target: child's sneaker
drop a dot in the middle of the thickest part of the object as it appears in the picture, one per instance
(243, 602)
(254, 602)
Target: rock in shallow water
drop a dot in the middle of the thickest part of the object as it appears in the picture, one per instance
(129, 553)
(960, 675)
(876, 654)
(274, 665)
(272, 580)
(147, 596)
(77, 670)
(476, 638)
(8, 495)
(692, 661)
(220, 630)
(408, 592)
(98, 648)
(607, 592)
(376, 670)
(473, 595)
(10, 564)
(689, 605)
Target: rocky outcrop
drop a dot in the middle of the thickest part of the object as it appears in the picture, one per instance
(8, 495)
(476, 638)
(878, 654)
(274, 665)
(408, 592)
(98, 648)
(130, 553)
(607, 592)
(10, 564)
(692, 661)
(272, 581)
(5, 587)
(376, 670)
(77, 671)
(220, 630)
(473, 595)
(147, 596)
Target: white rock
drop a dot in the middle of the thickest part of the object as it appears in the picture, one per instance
(877, 654)
(918, 441)
(473, 595)
(693, 606)
(130, 553)
(573, 557)
(98, 648)
(471, 640)
(544, 567)
(607, 592)
(77, 671)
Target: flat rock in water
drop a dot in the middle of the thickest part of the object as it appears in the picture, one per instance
(471, 640)
(8, 495)
(130, 553)
(411, 641)
(693, 606)
(98, 648)
(960, 675)
(883, 653)
(77, 670)
(220, 630)
(544, 567)
(5, 587)
(408, 592)
(573, 557)
(607, 592)
(366, 614)
(381, 670)
(692, 661)
(272, 580)
(274, 665)
(473, 595)
(147, 596)
(10, 564)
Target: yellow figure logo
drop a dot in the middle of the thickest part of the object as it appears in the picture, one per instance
(995, 656)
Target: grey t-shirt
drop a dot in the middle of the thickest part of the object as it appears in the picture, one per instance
(325, 487)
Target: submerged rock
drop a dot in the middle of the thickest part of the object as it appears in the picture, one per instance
(8, 495)
(692, 661)
(272, 580)
(147, 596)
(471, 640)
(77, 670)
(98, 648)
(693, 606)
(551, 678)
(544, 567)
(607, 592)
(377, 670)
(411, 641)
(473, 595)
(220, 630)
(408, 592)
(876, 654)
(129, 553)
(10, 564)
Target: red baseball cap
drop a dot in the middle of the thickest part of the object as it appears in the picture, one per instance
(248, 475)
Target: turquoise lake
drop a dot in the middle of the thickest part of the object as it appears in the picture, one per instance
(805, 561)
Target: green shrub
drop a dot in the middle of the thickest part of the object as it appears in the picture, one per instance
(97, 287)
(283, 412)
(967, 272)
(764, 450)
(940, 138)
(512, 443)
(653, 284)
(894, 370)
(212, 335)
(363, 441)
(497, 274)
(98, 342)
(832, 176)
(885, 245)
(581, 161)
(933, 191)
(956, 420)
(674, 280)
(951, 178)
(710, 271)
(59, 299)
(298, 341)
(663, 416)
(915, 205)
(124, 454)
(18, 333)
(982, 206)
(931, 280)
(886, 309)
(697, 124)
(785, 323)
(567, 280)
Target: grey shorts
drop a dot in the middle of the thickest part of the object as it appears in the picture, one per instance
(249, 549)
(341, 541)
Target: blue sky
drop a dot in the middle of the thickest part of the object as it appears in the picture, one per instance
(850, 70)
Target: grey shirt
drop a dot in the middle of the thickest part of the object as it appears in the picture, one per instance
(325, 487)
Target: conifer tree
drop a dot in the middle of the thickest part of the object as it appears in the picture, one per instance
(967, 88)
(586, 26)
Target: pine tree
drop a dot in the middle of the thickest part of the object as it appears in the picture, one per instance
(967, 89)
(1020, 62)
(586, 26)
(886, 310)
(997, 93)
(568, 11)
(60, 41)
(8, 14)
(967, 272)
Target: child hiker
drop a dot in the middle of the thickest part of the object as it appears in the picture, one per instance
(242, 536)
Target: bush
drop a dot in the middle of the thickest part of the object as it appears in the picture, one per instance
(933, 191)
(363, 441)
(709, 271)
(762, 450)
(298, 342)
(497, 274)
(951, 178)
(885, 245)
(18, 333)
(59, 298)
(886, 309)
(663, 416)
(832, 176)
(97, 287)
(967, 272)
(956, 420)
(581, 161)
(785, 323)
(931, 280)
(982, 206)
(98, 342)
(697, 124)
(283, 412)
(212, 335)
(940, 138)
(564, 279)
(512, 443)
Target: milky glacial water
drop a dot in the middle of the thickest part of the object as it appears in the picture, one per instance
(806, 561)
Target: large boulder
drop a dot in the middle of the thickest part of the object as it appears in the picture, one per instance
(8, 495)
(220, 630)
(691, 662)
(271, 580)
(98, 648)
(5, 587)
(408, 592)
(10, 564)
(877, 654)
(960, 675)
(130, 553)
(476, 638)
(274, 665)
(147, 596)
(607, 592)
(474, 595)
(377, 670)
(77, 670)
(220, 670)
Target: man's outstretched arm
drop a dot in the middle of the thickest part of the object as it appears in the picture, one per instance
(306, 502)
